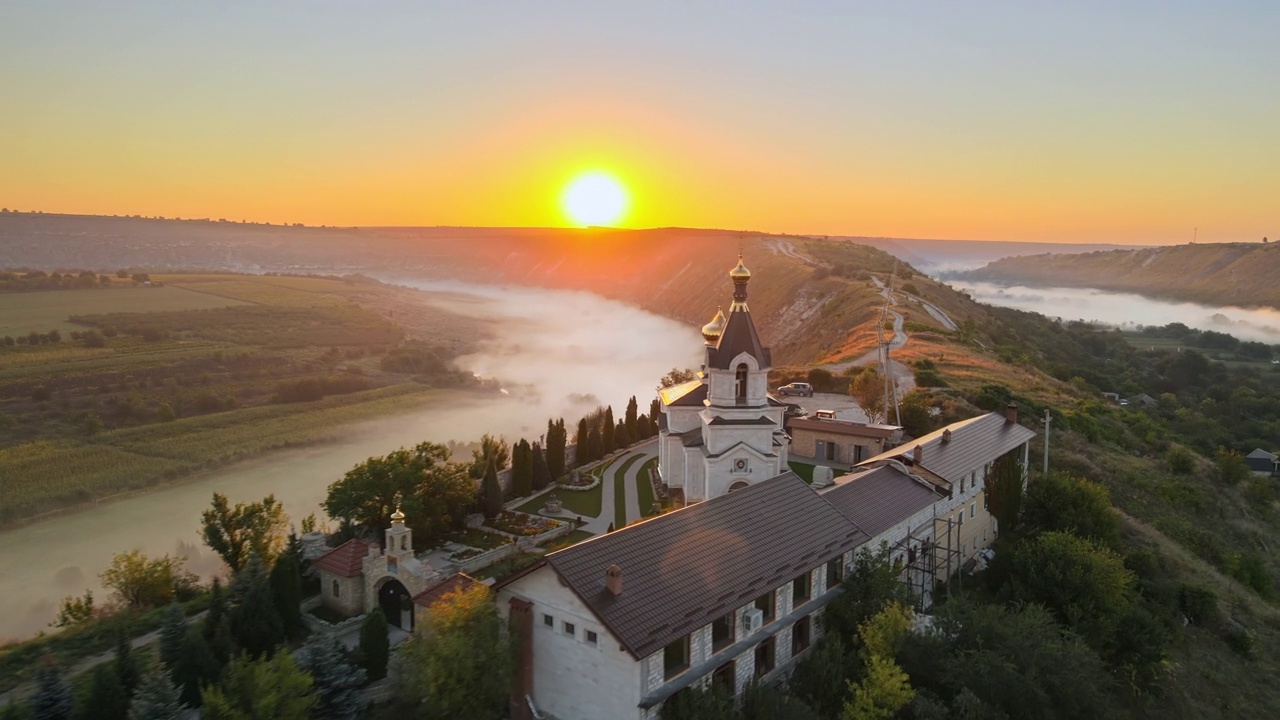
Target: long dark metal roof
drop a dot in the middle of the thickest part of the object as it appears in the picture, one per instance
(877, 499)
(684, 569)
(972, 443)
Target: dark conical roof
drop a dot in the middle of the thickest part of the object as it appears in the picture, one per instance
(739, 336)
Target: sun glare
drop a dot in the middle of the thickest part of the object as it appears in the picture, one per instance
(594, 198)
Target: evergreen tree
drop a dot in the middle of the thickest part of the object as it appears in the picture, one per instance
(581, 440)
(630, 418)
(1004, 490)
(541, 473)
(286, 590)
(490, 493)
(655, 407)
(52, 699)
(336, 680)
(642, 427)
(125, 664)
(156, 698)
(595, 445)
(522, 469)
(107, 698)
(269, 688)
(375, 646)
(217, 611)
(195, 667)
(172, 635)
(255, 623)
(557, 439)
(607, 439)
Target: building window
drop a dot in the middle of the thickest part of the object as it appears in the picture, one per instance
(725, 677)
(723, 630)
(569, 629)
(800, 636)
(961, 517)
(764, 657)
(548, 621)
(675, 658)
(766, 604)
(961, 486)
(336, 589)
(835, 572)
(801, 590)
(973, 509)
(593, 638)
(740, 385)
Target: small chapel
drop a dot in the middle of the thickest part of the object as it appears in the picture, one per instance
(722, 431)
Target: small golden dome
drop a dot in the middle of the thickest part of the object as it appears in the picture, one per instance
(740, 274)
(397, 516)
(712, 330)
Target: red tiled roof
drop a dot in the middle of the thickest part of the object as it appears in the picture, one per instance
(346, 560)
(454, 583)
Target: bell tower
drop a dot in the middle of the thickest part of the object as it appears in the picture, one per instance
(399, 537)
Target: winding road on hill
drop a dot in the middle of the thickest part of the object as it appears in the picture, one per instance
(904, 380)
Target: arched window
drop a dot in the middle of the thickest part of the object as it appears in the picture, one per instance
(335, 588)
(740, 385)
(404, 543)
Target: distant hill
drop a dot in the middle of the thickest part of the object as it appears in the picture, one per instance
(1218, 274)
(940, 257)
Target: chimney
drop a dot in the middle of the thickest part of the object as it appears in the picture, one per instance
(1011, 414)
(613, 580)
(917, 455)
(946, 436)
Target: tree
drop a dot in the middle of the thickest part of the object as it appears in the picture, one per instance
(621, 436)
(542, 476)
(699, 703)
(493, 451)
(268, 689)
(286, 590)
(52, 699)
(914, 414)
(107, 698)
(873, 584)
(1070, 504)
(462, 664)
(248, 528)
(629, 419)
(255, 622)
(1085, 586)
(821, 678)
(867, 387)
(490, 494)
(335, 679)
(674, 377)
(522, 469)
(581, 441)
(1232, 469)
(124, 665)
(375, 645)
(75, 610)
(595, 445)
(140, 582)
(1003, 488)
(435, 494)
(557, 439)
(607, 432)
(156, 698)
(882, 692)
(172, 634)
(196, 666)
(762, 701)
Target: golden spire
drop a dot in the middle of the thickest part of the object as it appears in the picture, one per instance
(740, 274)
(397, 517)
(711, 331)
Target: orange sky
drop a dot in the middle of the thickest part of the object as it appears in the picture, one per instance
(1025, 124)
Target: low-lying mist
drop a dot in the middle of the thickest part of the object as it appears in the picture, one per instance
(556, 353)
(1128, 311)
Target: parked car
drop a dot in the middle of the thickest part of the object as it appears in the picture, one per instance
(796, 388)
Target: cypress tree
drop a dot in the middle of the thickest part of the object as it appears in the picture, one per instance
(654, 409)
(490, 493)
(541, 473)
(375, 646)
(107, 698)
(580, 440)
(595, 445)
(52, 699)
(255, 623)
(555, 448)
(286, 590)
(172, 635)
(196, 666)
(522, 469)
(217, 609)
(642, 427)
(336, 680)
(156, 699)
(622, 435)
(630, 418)
(126, 665)
(607, 437)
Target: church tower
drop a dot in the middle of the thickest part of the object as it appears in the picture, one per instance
(399, 538)
(722, 431)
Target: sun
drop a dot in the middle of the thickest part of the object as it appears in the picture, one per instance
(594, 198)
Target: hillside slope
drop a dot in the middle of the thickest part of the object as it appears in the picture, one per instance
(1221, 274)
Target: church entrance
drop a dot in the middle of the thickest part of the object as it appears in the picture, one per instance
(396, 604)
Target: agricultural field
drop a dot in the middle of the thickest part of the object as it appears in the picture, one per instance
(22, 313)
(150, 384)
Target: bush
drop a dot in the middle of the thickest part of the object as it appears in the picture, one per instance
(1200, 605)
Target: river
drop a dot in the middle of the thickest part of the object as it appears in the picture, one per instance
(557, 354)
(1127, 310)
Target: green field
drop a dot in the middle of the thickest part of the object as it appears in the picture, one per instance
(804, 470)
(585, 504)
(22, 313)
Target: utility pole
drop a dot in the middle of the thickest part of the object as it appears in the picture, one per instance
(1047, 420)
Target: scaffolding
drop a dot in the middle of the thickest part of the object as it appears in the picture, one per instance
(927, 555)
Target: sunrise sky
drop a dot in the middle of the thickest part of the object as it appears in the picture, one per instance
(1107, 122)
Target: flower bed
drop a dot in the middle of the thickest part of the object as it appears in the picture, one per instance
(465, 554)
(522, 524)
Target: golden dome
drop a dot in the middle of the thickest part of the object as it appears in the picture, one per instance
(740, 274)
(712, 330)
(397, 516)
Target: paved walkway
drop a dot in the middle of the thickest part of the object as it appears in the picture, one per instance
(608, 498)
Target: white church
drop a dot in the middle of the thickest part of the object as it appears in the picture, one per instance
(731, 587)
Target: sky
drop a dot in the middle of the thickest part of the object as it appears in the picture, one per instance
(1127, 122)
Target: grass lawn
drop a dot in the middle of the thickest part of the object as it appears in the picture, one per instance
(804, 470)
(585, 503)
(620, 493)
(478, 539)
(644, 488)
(572, 538)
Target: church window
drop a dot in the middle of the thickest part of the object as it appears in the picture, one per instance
(722, 632)
(548, 621)
(766, 604)
(740, 385)
(335, 588)
(675, 658)
(569, 629)
(801, 589)
(765, 657)
(800, 636)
